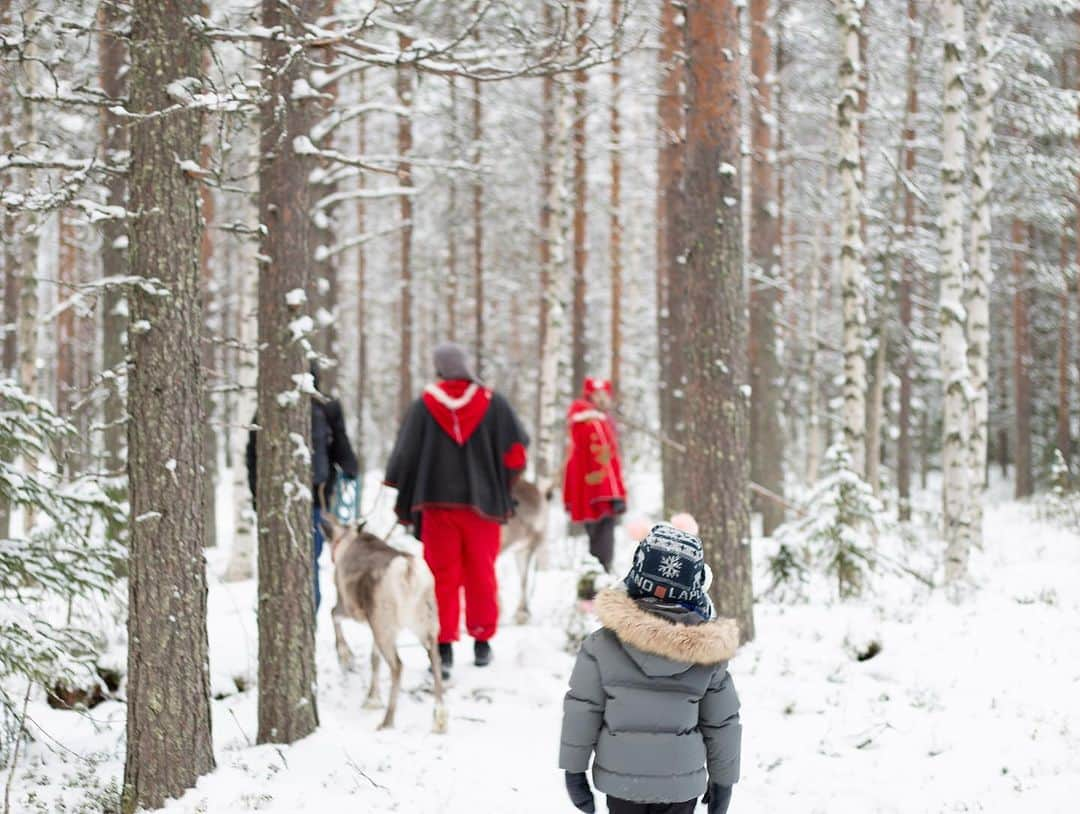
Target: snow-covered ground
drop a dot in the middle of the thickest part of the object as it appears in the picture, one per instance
(969, 708)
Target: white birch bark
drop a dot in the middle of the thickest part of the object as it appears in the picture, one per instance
(852, 263)
(814, 443)
(978, 291)
(547, 442)
(956, 465)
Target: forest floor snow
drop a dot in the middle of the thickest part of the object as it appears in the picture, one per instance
(969, 708)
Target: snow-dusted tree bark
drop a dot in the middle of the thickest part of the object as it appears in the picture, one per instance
(766, 434)
(404, 87)
(361, 295)
(1024, 481)
(852, 261)
(956, 459)
(168, 683)
(112, 57)
(548, 437)
(287, 709)
(981, 272)
(717, 401)
(1063, 435)
(907, 272)
(66, 273)
(670, 247)
(579, 340)
(29, 299)
(615, 229)
(478, 226)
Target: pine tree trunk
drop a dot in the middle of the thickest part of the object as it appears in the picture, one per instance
(9, 257)
(404, 87)
(616, 229)
(287, 708)
(478, 227)
(1064, 430)
(718, 424)
(1021, 319)
(361, 294)
(580, 349)
(815, 432)
(981, 274)
(907, 273)
(326, 285)
(766, 434)
(210, 427)
(29, 299)
(65, 320)
(169, 742)
(112, 58)
(670, 243)
(547, 125)
(852, 261)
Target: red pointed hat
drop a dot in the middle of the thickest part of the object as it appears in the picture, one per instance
(593, 385)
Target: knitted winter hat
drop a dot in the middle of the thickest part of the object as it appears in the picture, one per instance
(669, 564)
(452, 362)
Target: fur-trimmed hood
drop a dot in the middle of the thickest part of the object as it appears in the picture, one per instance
(707, 643)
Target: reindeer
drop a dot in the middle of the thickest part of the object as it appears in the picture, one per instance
(391, 591)
(524, 533)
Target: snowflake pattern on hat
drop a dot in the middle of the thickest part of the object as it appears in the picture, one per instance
(669, 564)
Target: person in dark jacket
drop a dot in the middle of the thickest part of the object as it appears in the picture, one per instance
(330, 451)
(457, 455)
(650, 699)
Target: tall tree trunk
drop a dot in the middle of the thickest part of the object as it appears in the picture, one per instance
(452, 226)
(1021, 319)
(766, 434)
(65, 320)
(547, 431)
(210, 427)
(852, 261)
(546, 159)
(956, 459)
(361, 293)
(404, 87)
(580, 349)
(718, 423)
(325, 283)
(815, 432)
(616, 229)
(1064, 429)
(982, 270)
(478, 225)
(670, 261)
(907, 273)
(287, 709)
(169, 742)
(10, 257)
(29, 300)
(112, 59)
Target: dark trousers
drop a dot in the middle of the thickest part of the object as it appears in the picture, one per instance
(317, 547)
(617, 806)
(602, 540)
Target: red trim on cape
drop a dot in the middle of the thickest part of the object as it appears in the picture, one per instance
(459, 422)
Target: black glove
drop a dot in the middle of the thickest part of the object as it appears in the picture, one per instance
(717, 798)
(577, 786)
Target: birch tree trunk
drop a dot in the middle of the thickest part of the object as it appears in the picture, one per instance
(852, 261)
(956, 458)
(717, 402)
(556, 292)
(766, 434)
(670, 247)
(287, 701)
(169, 742)
(982, 271)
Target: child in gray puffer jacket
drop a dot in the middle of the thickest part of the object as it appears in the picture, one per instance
(650, 696)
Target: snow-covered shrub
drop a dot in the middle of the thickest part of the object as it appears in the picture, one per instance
(834, 537)
(592, 579)
(1060, 504)
(62, 558)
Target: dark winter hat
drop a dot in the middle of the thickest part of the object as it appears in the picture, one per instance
(452, 362)
(669, 564)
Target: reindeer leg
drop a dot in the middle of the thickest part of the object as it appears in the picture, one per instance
(387, 645)
(373, 700)
(525, 559)
(344, 654)
(441, 718)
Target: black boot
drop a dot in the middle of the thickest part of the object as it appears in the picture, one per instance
(482, 652)
(446, 656)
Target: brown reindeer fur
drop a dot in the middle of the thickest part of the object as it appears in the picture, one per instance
(525, 533)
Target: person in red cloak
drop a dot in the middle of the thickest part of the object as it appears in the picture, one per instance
(457, 455)
(593, 489)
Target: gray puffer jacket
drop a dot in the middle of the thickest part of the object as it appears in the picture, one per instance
(651, 696)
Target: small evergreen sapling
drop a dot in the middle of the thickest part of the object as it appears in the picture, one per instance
(834, 536)
(64, 557)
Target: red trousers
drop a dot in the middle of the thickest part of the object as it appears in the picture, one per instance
(460, 548)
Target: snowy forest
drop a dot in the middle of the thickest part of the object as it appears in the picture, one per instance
(823, 257)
